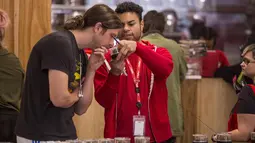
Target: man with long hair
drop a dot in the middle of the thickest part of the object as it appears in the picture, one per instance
(59, 76)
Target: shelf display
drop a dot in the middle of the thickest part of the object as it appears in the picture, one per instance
(194, 50)
(65, 9)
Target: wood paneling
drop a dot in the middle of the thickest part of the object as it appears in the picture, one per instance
(207, 104)
(30, 21)
(91, 124)
(189, 102)
(34, 23)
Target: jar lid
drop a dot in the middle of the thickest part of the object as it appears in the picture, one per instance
(200, 138)
(224, 137)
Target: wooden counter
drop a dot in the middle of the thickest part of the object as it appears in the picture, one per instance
(206, 103)
(91, 124)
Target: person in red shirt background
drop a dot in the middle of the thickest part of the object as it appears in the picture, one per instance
(143, 90)
(213, 59)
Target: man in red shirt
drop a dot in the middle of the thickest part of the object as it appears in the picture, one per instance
(136, 102)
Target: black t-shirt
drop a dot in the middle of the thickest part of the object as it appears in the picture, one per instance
(39, 119)
(246, 101)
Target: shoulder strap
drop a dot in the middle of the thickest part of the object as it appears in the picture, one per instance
(252, 87)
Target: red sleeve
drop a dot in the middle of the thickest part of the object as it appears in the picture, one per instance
(159, 62)
(106, 87)
(223, 59)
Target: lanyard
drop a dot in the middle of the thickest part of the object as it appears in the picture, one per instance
(80, 89)
(136, 79)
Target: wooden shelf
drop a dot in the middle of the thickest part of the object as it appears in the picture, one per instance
(67, 7)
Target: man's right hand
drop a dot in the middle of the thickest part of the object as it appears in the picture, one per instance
(96, 59)
(126, 48)
(117, 67)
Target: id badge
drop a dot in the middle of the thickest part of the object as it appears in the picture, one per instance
(139, 125)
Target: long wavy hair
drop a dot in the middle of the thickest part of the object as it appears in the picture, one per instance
(98, 13)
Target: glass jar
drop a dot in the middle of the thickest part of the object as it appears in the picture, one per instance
(224, 138)
(200, 138)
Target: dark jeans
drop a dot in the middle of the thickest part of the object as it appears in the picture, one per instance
(171, 140)
(8, 119)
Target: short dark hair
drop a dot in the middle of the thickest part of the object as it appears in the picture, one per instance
(207, 33)
(98, 13)
(130, 7)
(154, 20)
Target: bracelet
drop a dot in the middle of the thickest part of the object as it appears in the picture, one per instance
(80, 95)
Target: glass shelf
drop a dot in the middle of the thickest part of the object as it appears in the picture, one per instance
(67, 7)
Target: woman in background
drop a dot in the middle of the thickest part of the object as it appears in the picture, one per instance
(233, 74)
(241, 122)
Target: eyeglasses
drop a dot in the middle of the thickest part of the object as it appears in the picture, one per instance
(247, 61)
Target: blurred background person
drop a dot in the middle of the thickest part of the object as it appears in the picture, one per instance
(154, 24)
(174, 28)
(213, 59)
(11, 82)
(198, 22)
